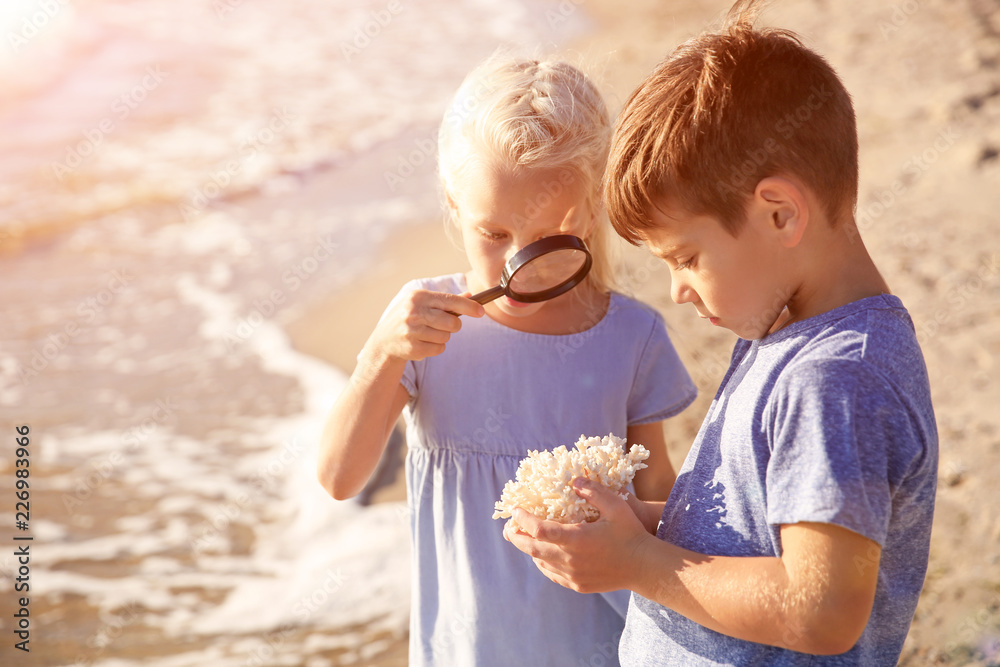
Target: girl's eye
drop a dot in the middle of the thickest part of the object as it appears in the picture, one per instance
(684, 265)
(492, 237)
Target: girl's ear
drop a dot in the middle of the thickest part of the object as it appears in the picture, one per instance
(589, 226)
(452, 205)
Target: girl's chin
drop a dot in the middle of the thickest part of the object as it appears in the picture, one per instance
(517, 308)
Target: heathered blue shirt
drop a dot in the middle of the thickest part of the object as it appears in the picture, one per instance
(828, 420)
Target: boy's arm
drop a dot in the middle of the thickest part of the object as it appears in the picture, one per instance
(655, 481)
(816, 598)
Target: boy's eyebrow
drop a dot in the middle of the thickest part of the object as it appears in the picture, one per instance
(666, 252)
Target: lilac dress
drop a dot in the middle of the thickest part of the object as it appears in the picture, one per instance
(475, 411)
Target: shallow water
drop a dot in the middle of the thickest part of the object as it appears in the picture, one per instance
(177, 180)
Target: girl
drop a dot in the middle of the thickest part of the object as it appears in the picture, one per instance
(521, 154)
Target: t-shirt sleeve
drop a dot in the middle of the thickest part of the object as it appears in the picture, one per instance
(409, 379)
(662, 386)
(834, 426)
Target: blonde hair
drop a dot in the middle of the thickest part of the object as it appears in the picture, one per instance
(522, 114)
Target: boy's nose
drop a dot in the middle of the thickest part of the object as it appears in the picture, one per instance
(680, 292)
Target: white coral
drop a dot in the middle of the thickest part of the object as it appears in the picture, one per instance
(544, 480)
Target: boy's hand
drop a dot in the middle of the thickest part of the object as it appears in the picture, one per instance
(585, 557)
(420, 325)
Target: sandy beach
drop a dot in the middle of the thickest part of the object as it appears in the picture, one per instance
(184, 305)
(928, 112)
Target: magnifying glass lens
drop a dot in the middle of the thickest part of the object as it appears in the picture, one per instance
(541, 270)
(547, 271)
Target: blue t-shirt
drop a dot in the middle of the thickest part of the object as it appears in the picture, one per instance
(828, 420)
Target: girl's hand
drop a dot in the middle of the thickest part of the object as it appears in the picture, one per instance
(420, 325)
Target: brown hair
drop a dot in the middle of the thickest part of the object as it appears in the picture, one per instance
(723, 111)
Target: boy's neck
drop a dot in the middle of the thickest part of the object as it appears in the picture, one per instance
(839, 271)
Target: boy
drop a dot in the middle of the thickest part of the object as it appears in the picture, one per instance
(797, 531)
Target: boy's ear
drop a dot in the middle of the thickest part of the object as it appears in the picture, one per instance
(784, 204)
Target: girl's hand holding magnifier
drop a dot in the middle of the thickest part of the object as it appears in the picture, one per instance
(422, 322)
(420, 325)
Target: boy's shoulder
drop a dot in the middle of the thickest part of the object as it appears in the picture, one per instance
(876, 331)
(868, 347)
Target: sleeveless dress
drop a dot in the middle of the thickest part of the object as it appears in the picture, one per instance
(475, 411)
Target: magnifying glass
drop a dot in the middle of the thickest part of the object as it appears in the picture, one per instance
(542, 270)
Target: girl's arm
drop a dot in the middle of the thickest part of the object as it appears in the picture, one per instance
(656, 480)
(359, 423)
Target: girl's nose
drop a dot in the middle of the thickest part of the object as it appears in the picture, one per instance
(515, 247)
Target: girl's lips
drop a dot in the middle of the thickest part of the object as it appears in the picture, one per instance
(714, 320)
(516, 304)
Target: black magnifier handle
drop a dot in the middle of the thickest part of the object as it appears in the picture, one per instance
(491, 294)
(484, 297)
